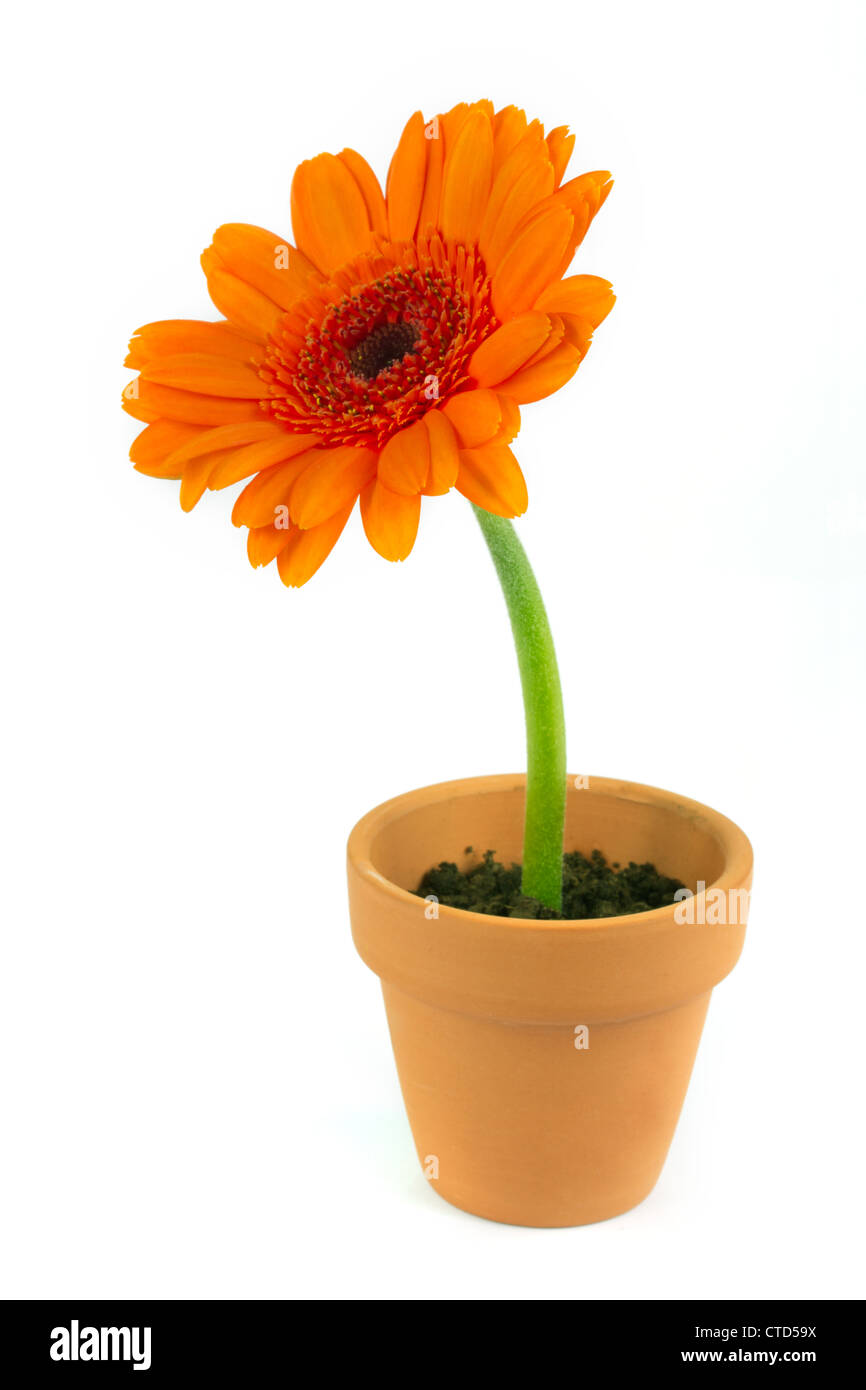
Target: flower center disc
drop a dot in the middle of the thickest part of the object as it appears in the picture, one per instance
(385, 340)
(382, 348)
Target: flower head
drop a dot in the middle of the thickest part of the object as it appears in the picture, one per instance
(386, 353)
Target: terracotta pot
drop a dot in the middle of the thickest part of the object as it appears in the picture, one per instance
(544, 1064)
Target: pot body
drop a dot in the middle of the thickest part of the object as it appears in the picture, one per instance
(544, 1064)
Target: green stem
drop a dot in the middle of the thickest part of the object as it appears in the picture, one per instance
(542, 702)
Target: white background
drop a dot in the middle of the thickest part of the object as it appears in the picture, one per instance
(196, 1091)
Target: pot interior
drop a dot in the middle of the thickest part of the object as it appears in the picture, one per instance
(626, 822)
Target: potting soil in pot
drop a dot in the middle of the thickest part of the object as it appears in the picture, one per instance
(591, 888)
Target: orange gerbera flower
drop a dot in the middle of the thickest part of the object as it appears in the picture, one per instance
(387, 354)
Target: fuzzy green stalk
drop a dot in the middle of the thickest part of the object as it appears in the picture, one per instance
(542, 703)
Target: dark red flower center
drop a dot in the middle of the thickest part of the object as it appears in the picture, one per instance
(373, 351)
(383, 347)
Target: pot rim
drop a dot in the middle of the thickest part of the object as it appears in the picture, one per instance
(735, 845)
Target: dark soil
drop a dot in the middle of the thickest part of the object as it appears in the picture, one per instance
(590, 888)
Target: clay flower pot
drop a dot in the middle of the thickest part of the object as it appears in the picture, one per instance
(544, 1064)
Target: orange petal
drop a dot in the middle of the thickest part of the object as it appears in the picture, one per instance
(269, 491)
(552, 341)
(227, 437)
(509, 427)
(266, 261)
(577, 332)
(466, 180)
(225, 465)
(194, 481)
(151, 449)
(405, 184)
(428, 217)
(329, 483)
(560, 144)
(531, 188)
(329, 214)
(543, 377)
(366, 180)
(244, 306)
(491, 478)
(264, 543)
(405, 460)
(159, 470)
(475, 416)
(592, 189)
(506, 350)
(531, 263)
(509, 128)
(390, 521)
(444, 455)
(525, 177)
(208, 376)
(236, 464)
(189, 335)
(583, 197)
(195, 409)
(451, 124)
(588, 297)
(307, 550)
(133, 405)
(534, 184)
